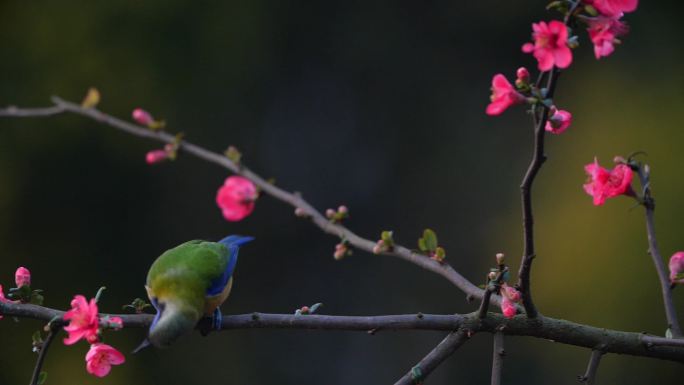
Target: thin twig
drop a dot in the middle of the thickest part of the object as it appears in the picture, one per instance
(589, 376)
(295, 200)
(440, 353)
(484, 305)
(560, 331)
(43, 353)
(498, 354)
(665, 288)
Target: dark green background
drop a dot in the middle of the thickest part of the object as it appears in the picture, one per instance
(377, 105)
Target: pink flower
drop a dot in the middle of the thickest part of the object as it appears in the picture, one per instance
(603, 32)
(83, 321)
(508, 307)
(236, 198)
(511, 293)
(156, 156)
(614, 8)
(677, 268)
(2, 298)
(503, 96)
(142, 117)
(604, 183)
(550, 45)
(559, 121)
(22, 277)
(101, 357)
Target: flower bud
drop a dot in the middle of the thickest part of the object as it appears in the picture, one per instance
(300, 212)
(22, 277)
(341, 251)
(330, 213)
(156, 156)
(142, 117)
(500, 258)
(343, 210)
(523, 75)
(676, 266)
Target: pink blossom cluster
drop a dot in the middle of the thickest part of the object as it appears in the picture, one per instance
(85, 323)
(604, 183)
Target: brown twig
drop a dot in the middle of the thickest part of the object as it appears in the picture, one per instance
(665, 288)
(498, 354)
(441, 352)
(589, 376)
(295, 200)
(42, 354)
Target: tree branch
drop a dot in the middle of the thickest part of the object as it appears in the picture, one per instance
(562, 331)
(43, 353)
(590, 376)
(498, 354)
(665, 288)
(293, 199)
(441, 352)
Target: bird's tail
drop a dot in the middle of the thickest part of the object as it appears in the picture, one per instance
(235, 240)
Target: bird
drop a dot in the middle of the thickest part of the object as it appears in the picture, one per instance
(187, 283)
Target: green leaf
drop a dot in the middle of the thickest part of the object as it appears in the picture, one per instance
(37, 299)
(421, 245)
(42, 377)
(315, 307)
(430, 239)
(387, 237)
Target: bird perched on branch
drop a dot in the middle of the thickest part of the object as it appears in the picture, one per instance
(187, 283)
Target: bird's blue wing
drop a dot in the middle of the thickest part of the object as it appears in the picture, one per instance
(233, 243)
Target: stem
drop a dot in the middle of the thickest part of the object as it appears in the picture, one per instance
(41, 356)
(440, 353)
(293, 199)
(538, 159)
(484, 305)
(590, 375)
(666, 289)
(498, 354)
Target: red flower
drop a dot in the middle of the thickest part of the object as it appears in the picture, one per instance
(22, 277)
(550, 45)
(101, 357)
(236, 198)
(677, 268)
(614, 8)
(604, 183)
(83, 321)
(559, 121)
(509, 297)
(603, 33)
(503, 96)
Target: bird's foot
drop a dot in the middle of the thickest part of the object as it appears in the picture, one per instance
(217, 319)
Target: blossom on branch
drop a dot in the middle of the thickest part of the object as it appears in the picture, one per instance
(603, 32)
(236, 198)
(550, 45)
(101, 357)
(156, 156)
(559, 121)
(503, 96)
(83, 321)
(604, 183)
(613, 8)
(509, 297)
(676, 266)
(22, 277)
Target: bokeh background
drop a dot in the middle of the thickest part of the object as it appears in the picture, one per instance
(376, 105)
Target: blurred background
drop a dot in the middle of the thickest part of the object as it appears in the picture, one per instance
(376, 105)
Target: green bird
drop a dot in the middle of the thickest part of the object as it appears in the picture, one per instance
(187, 283)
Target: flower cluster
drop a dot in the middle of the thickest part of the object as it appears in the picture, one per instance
(22, 293)
(236, 198)
(509, 297)
(337, 216)
(85, 323)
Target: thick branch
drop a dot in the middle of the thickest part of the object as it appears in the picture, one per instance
(566, 332)
(498, 354)
(440, 353)
(293, 199)
(665, 288)
(589, 376)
